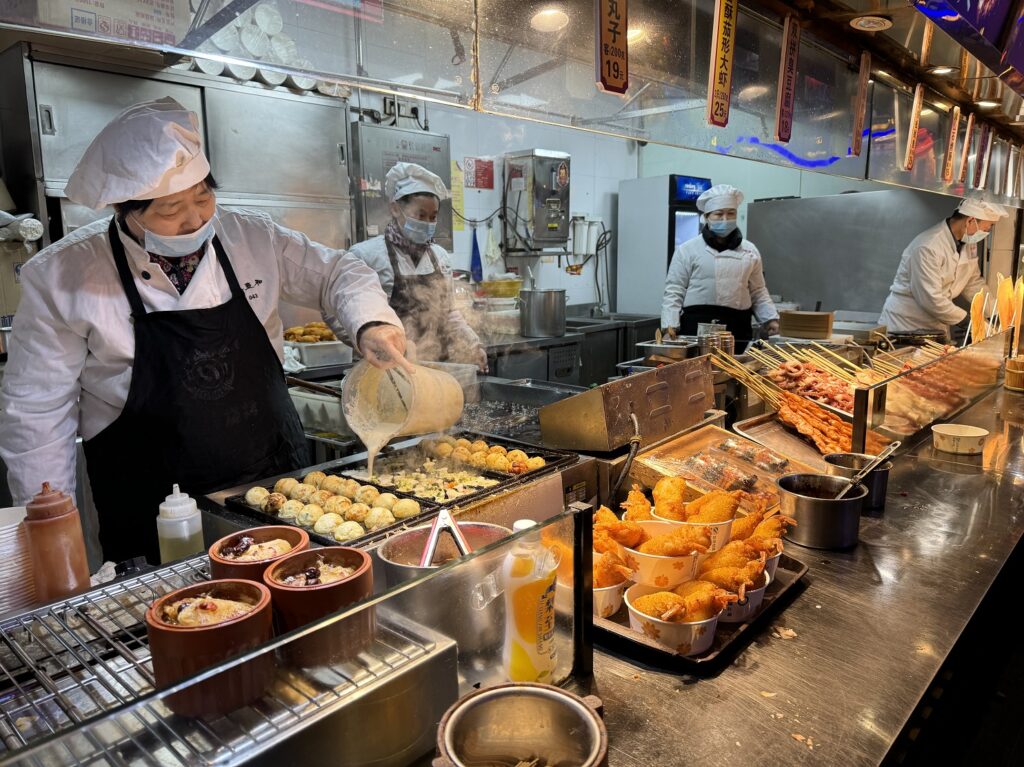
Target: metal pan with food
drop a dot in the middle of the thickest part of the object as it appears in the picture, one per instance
(486, 452)
(332, 508)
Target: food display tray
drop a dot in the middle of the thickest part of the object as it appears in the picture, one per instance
(614, 634)
(767, 430)
(428, 510)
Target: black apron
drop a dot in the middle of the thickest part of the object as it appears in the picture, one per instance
(208, 408)
(736, 321)
(423, 303)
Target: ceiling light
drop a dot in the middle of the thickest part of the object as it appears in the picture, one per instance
(636, 35)
(986, 104)
(752, 92)
(943, 70)
(927, 111)
(871, 23)
(551, 19)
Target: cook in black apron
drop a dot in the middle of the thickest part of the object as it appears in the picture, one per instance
(423, 302)
(208, 408)
(736, 321)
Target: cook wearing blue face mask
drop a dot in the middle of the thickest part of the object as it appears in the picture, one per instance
(717, 276)
(416, 272)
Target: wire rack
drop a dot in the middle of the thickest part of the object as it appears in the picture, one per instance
(70, 672)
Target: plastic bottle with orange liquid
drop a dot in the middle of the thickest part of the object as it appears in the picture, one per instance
(528, 576)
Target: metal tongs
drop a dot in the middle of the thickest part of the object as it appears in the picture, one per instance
(861, 475)
(443, 521)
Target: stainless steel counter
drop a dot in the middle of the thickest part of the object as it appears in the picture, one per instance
(502, 344)
(872, 627)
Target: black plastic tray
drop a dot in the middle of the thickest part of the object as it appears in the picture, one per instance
(613, 633)
(428, 510)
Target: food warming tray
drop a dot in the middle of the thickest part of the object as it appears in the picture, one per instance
(74, 675)
(614, 633)
(767, 430)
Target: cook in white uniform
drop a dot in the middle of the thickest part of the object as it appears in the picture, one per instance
(416, 272)
(155, 333)
(940, 265)
(717, 275)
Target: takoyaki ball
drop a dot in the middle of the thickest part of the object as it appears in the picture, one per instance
(291, 510)
(350, 488)
(386, 500)
(448, 439)
(497, 462)
(357, 512)
(348, 531)
(315, 478)
(405, 508)
(256, 496)
(274, 503)
(478, 460)
(478, 447)
(302, 492)
(461, 454)
(284, 486)
(310, 513)
(326, 524)
(535, 463)
(517, 455)
(320, 497)
(367, 494)
(333, 485)
(444, 450)
(379, 517)
(497, 449)
(463, 443)
(338, 504)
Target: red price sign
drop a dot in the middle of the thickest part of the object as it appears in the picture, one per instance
(612, 55)
(723, 49)
(787, 79)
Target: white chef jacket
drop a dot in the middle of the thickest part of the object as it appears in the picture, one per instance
(700, 275)
(930, 275)
(374, 252)
(71, 353)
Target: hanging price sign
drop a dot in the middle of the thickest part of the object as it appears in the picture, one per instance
(965, 152)
(860, 104)
(787, 79)
(723, 49)
(954, 132)
(612, 55)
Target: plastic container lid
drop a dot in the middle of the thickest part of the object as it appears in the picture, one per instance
(49, 503)
(523, 524)
(178, 505)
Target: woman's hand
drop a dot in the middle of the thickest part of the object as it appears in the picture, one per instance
(770, 328)
(383, 346)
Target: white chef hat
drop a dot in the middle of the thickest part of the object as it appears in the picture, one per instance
(977, 208)
(407, 178)
(718, 197)
(150, 150)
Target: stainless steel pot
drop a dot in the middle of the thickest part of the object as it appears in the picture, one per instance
(848, 464)
(522, 722)
(821, 521)
(542, 313)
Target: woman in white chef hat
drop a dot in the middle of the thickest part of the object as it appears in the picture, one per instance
(938, 266)
(416, 272)
(155, 334)
(718, 275)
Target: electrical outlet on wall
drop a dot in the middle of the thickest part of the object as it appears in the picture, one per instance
(405, 107)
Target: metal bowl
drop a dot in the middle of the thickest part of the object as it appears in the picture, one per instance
(821, 521)
(512, 722)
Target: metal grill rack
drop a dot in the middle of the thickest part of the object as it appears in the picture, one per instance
(70, 672)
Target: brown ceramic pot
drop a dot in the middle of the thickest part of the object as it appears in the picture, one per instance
(181, 651)
(253, 571)
(297, 606)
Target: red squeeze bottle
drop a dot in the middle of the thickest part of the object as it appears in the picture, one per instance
(56, 544)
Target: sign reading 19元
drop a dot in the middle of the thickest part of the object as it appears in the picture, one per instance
(612, 48)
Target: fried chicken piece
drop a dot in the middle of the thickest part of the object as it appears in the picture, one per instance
(735, 579)
(717, 507)
(773, 527)
(704, 600)
(670, 498)
(637, 507)
(610, 571)
(743, 527)
(663, 605)
(681, 542)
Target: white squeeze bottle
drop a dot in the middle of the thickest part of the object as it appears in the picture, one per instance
(528, 577)
(179, 526)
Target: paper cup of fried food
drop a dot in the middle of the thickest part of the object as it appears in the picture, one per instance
(661, 615)
(747, 607)
(668, 553)
(715, 510)
(771, 565)
(608, 600)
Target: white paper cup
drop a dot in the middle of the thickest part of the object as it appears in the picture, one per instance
(721, 532)
(683, 638)
(746, 608)
(656, 571)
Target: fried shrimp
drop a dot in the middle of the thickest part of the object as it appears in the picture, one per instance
(681, 542)
(742, 527)
(716, 507)
(663, 605)
(735, 579)
(609, 571)
(704, 600)
(733, 554)
(670, 498)
(773, 527)
(637, 508)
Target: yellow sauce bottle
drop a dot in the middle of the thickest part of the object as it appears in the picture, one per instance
(528, 576)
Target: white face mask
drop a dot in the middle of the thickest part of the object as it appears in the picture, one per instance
(973, 239)
(179, 245)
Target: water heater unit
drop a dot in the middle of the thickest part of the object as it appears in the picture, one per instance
(535, 201)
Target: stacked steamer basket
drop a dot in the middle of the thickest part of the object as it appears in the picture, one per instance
(17, 588)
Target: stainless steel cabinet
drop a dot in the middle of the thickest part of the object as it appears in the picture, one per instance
(73, 105)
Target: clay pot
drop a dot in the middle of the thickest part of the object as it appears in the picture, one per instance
(181, 651)
(253, 571)
(298, 606)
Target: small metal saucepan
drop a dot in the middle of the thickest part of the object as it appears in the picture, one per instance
(822, 522)
(848, 464)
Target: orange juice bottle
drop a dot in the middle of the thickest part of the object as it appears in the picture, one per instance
(528, 576)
